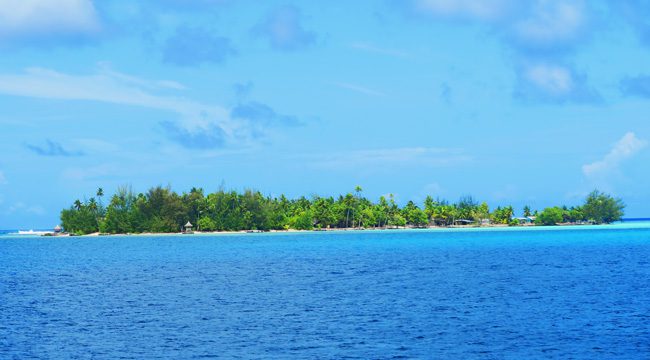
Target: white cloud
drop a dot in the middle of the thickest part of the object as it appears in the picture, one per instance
(550, 82)
(538, 24)
(624, 149)
(556, 80)
(552, 21)
(283, 28)
(113, 87)
(44, 17)
(534, 30)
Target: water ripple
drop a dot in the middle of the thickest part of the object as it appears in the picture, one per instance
(563, 294)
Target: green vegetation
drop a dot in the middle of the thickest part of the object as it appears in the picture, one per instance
(599, 208)
(550, 216)
(602, 208)
(163, 210)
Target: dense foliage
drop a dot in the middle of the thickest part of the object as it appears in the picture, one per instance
(550, 216)
(599, 208)
(602, 208)
(163, 210)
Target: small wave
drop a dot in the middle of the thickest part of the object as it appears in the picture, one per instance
(30, 232)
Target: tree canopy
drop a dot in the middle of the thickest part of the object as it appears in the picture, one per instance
(602, 208)
(160, 209)
(598, 208)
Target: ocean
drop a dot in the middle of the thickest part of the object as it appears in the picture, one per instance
(566, 292)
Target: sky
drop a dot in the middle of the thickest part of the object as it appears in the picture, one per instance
(521, 102)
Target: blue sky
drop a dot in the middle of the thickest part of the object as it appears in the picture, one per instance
(514, 102)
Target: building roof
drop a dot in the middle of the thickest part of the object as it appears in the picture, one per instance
(189, 224)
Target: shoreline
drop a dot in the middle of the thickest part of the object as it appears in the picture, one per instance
(292, 231)
(464, 228)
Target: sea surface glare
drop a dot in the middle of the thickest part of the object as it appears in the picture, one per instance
(578, 293)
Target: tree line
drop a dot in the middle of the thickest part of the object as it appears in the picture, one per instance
(162, 210)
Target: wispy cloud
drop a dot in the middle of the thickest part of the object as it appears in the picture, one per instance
(195, 117)
(92, 173)
(151, 85)
(283, 29)
(261, 114)
(191, 5)
(210, 137)
(91, 145)
(21, 207)
(625, 148)
(359, 89)
(377, 158)
(481, 10)
(52, 148)
(367, 47)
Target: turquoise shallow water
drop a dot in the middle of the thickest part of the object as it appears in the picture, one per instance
(501, 293)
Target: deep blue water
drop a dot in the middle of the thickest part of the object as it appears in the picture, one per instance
(578, 293)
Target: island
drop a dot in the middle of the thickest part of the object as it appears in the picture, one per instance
(162, 210)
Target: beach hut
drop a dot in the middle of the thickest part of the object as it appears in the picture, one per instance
(463, 222)
(57, 229)
(188, 228)
(525, 220)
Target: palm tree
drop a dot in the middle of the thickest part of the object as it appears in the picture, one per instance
(391, 209)
(77, 204)
(92, 205)
(100, 194)
(347, 201)
(357, 191)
